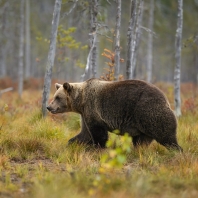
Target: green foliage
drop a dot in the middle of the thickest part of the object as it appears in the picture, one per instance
(79, 64)
(65, 39)
(66, 42)
(114, 159)
(118, 148)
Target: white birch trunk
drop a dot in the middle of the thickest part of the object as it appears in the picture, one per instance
(27, 44)
(150, 42)
(2, 61)
(4, 39)
(117, 40)
(21, 49)
(87, 68)
(178, 45)
(51, 56)
(130, 35)
(94, 13)
(137, 36)
(90, 69)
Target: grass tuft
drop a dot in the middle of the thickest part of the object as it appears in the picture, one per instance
(35, 160)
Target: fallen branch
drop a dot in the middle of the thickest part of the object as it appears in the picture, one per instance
(6, 90)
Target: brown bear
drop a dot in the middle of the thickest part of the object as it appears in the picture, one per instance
(131, 106)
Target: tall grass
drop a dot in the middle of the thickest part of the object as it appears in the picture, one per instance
(35, 160)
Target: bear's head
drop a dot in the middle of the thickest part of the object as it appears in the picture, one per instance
(61, 101)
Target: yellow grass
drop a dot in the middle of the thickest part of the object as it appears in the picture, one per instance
(35, 160)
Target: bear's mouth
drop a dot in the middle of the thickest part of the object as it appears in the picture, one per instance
(58, 110)
(51, 110)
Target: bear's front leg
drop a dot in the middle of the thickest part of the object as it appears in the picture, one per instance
(84, 137)
(81, 139)
(91, 134)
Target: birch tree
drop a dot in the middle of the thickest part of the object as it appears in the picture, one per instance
(51, 56)
(27, 43)
(117, 40)
(3, 38)
(178, 45)
(132, 35)
(150, 42)
(138, 35)
(90, 69)
(93, 35)
(21, 45)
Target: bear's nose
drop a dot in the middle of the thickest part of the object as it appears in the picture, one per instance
(49, 108)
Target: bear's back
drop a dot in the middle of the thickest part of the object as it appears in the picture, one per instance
(131, 91)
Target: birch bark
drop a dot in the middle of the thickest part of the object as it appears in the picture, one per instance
(4, 38)
(27, 43)
(117, 40)
(130, 39)
(90, 69)
(21, 50)
(150, 42)
(137, 34)
(51, 56)
(178, 45)
(93, 36)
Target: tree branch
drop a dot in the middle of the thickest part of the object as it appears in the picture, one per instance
(71, 9)
(149, 31)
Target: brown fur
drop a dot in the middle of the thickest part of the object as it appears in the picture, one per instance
(132, 106)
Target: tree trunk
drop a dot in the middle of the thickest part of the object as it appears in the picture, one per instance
(4, 39)
(117, 40)
(2, 63)
(178, 45)
(51, 56)
(88, 65)
(150, 42)
(27, 44)
(131, 40)
(196, 59)
(90, 69)
(21, 49)
(94, 36)
(138, 34)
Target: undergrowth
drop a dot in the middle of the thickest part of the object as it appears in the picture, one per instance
(35, 160)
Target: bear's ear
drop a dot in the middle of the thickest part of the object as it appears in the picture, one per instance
(67, 87)
(57, 86)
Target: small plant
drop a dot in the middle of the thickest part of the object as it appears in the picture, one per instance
(114, 159)
(116, 156)
(109, 75)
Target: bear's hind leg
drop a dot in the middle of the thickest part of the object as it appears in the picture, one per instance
(100, 137)
(170, 143)
(141, 140)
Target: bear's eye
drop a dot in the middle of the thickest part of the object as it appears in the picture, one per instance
(57, 98)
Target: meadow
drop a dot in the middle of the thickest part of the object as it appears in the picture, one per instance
(35, 160)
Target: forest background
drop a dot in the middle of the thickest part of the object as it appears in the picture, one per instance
(35, 160)
(73, 39)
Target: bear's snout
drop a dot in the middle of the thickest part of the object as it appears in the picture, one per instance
(53, 110)
(49, 108)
